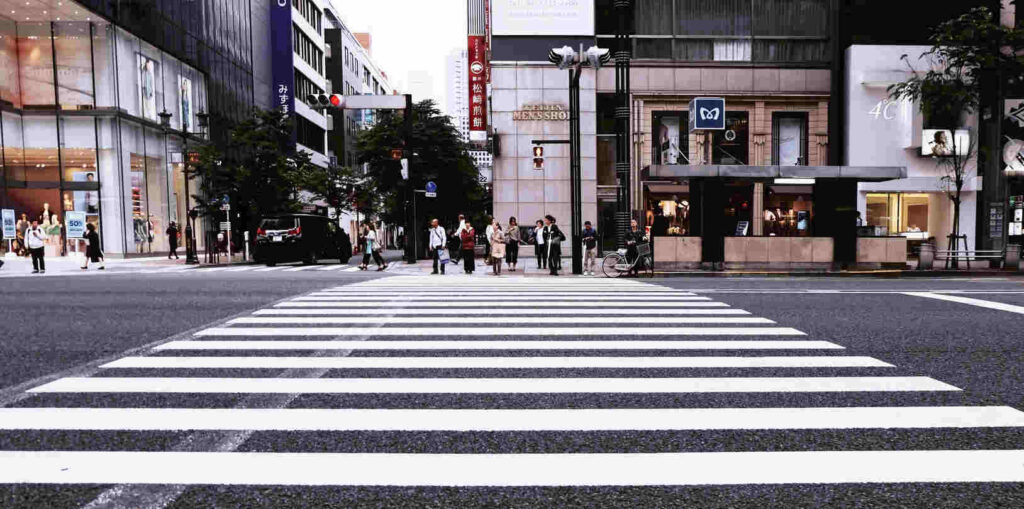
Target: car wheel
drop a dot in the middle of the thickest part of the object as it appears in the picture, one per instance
(311, 259)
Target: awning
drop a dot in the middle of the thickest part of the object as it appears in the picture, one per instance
(860, 173)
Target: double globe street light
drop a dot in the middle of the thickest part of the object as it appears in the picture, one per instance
(568, 59)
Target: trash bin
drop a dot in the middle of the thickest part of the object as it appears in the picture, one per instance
(1012, 256)
(926, 260)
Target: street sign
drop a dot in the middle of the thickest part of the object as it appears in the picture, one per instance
(9, 223)
(75, 224)
(431, 190)
(396, 154)
(707, 113)
(225, 225)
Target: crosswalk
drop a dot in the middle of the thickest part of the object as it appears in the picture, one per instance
(568, 382)
(116, 269)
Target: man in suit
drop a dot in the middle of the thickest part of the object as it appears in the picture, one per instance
(553, 237)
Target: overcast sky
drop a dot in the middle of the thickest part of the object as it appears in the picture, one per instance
(410, 35)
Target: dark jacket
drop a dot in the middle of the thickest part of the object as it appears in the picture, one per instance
(93, 251)
(589, 238)
(633, 238)
(468, 237)
(552, 236)
(172, 236)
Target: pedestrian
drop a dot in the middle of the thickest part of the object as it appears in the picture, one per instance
(634, 237)
(589, 248)
(468, 237)
(35, 238)
(537, 236)
(513, 237)
(373, 247)
(553, 237)
(92, 250)
(437, 246)
(497, 247)
(172, 240)
(455, 246)
(488, 233)
(23, 226)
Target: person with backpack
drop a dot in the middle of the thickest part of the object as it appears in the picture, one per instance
(589, 237)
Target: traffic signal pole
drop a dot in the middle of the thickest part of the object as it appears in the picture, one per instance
(410, 211)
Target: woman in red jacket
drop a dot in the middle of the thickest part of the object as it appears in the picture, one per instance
(468, 237)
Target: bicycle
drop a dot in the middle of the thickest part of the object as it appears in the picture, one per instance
(617, 264)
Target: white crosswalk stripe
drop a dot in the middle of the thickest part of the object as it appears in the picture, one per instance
(532, 359)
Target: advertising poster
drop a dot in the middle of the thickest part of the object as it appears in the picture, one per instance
(75, 224)
(477, 88)
(9, 223)
(185, 103)
(542, 17)
(667, 146)
(85, 201)
(147, 87)
(939, 142)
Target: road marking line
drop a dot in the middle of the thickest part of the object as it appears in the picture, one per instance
(428, 293)
(494, 304)
(631, 419)
(347, 290)
(319, 297)
(1010, 308)
(297, 269)
(504, 312)
(268, 269)
(333, 267)
(213, 269)
(499, 331)
(490, 320)
(351, 269)
(490, 470)
(494, 362)
(498, 345)
(240, 269)
(492, 385)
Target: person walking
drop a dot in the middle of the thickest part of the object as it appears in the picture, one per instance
(92, 250)
(362, 243)
(589, 248)
(35, 238)
(513, 237)
(455, 246)
(553, 238)
(538, 245)
(437, 245)
(373, 246)
(23, 226)
(488, 233)
(468, 237)
(497, 247)
(172, 240)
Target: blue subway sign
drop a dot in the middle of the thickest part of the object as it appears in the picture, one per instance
(707, 114)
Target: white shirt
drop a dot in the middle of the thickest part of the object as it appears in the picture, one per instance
(461, 228)
(437, 237)
(35, 238)
(490, 233)
(371, 240)
(539, 233)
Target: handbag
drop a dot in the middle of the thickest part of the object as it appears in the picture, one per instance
(443, 256)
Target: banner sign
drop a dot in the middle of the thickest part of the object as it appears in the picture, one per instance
(75, 224)
(9, 223)
(283, 65)
(477, 88)
(707, 113)
(543, 17)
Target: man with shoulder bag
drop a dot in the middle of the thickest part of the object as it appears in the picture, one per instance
(437, 246)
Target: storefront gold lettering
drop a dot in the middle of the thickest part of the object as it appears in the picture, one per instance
(541, 112)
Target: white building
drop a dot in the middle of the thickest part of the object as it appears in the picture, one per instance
(458, 92)
(309, 50)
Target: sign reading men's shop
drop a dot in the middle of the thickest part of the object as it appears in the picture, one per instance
(555, 112)
(707, 114)
(282, 65)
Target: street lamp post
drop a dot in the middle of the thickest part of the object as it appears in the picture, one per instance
(191, 253)
(568, 59)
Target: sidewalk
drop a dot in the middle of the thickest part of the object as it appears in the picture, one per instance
(526, 267)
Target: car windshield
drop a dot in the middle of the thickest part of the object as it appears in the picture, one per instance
(278, 223)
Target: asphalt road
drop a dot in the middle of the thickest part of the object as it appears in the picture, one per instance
(947, 355)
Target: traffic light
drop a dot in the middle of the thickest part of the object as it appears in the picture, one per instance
(323, 101)
(538, 158)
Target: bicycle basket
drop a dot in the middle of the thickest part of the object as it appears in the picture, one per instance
(643, 249)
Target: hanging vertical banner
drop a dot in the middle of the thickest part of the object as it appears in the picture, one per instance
(477, 88)
(487, 43)
(283, 66)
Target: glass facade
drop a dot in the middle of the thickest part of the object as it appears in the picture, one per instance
(82, 103)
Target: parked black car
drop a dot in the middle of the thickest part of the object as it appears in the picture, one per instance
(300, 237)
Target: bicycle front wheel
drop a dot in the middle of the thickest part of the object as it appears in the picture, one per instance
(614, 265)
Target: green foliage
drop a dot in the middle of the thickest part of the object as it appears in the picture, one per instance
(260, 170)
(440, 156)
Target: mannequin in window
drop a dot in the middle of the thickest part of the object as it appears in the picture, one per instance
(660, 226)
(45, 215)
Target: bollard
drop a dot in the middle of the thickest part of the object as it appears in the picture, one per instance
(926, 259)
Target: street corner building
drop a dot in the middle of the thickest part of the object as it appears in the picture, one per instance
(104, 104)
(811, 167)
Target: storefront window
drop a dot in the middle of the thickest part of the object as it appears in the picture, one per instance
(670, 141)
(899, 213)
(10, 88)
(35, 61)
(72, 45)
(729, 147)
(788, 210)
(41, 162)
(156, 190)
(789, 139)
(668, 210)
(738, 213)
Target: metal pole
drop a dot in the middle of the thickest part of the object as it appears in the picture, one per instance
(574, 167)
(410, 248)
(623, 211)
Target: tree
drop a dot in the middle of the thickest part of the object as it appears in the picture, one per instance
(260, 171)
(438, 155)
(967, 54)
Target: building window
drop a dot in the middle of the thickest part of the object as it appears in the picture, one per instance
(308, 10)
(788, 210)
(309, 134)
(899, 214)
(304, 87)
(729, 147)
(789, 139)
(671, 143)
(366, 76)
(307, 50)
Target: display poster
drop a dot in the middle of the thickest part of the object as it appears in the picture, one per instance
(542, 17)
(741, 228)
(939, 142)
(670, 147)
(9, 223)
(75, 224)
(185, 103)
(147, 86)
(477, 88)
(85, 201)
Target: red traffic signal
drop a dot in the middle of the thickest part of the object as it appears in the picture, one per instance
(336, 100)
(538, 158)
(317, 101)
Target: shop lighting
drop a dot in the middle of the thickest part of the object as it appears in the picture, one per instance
(795, 182)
